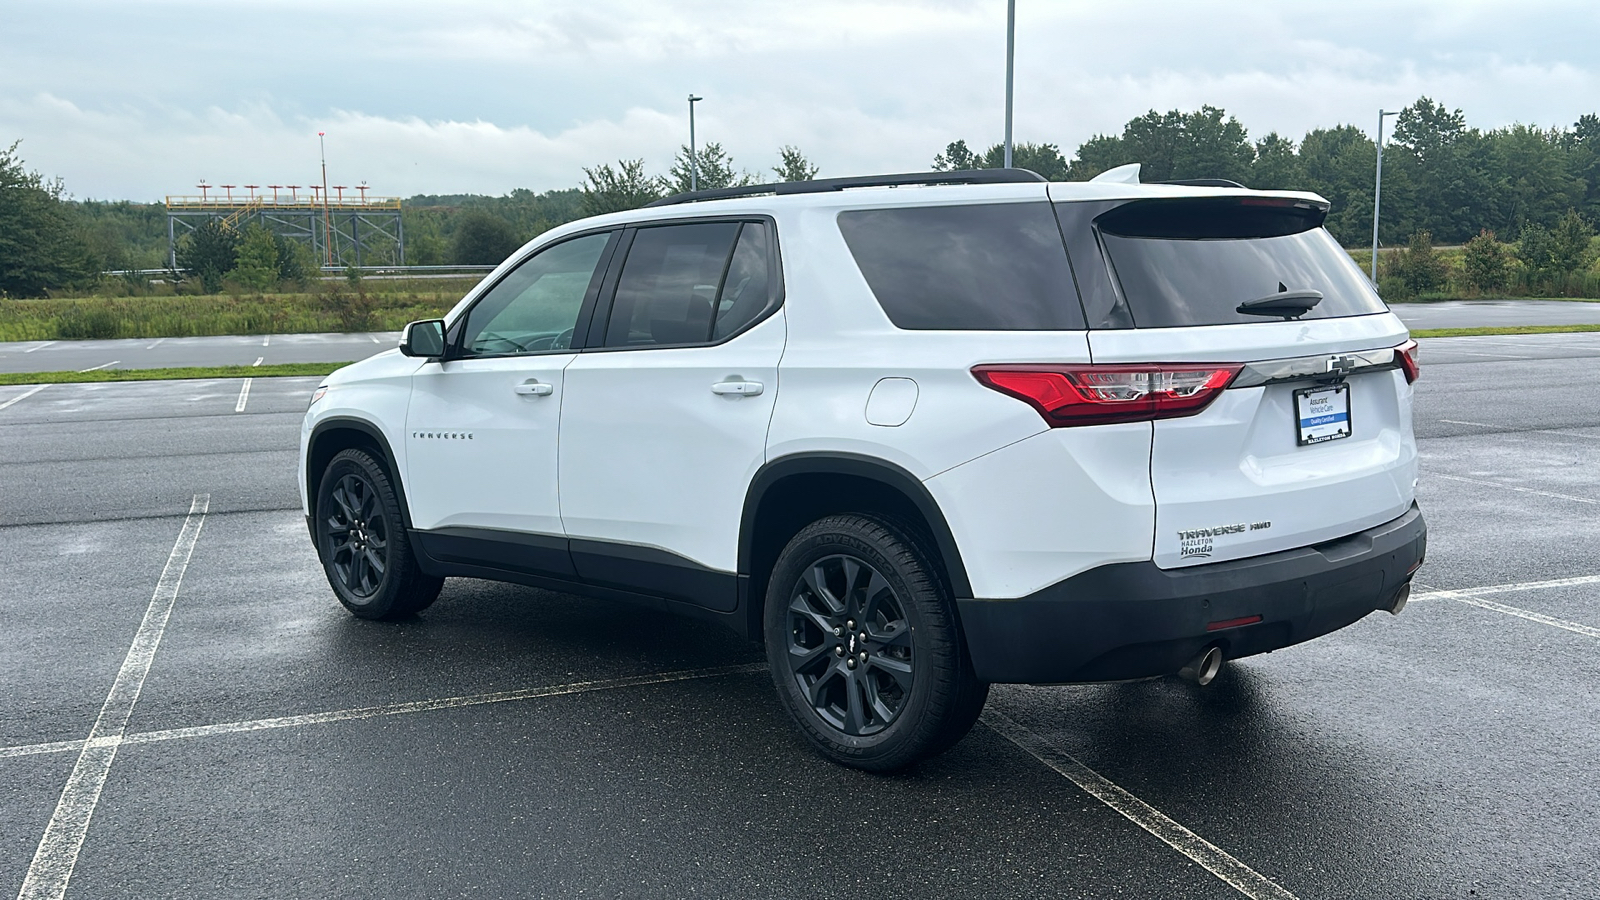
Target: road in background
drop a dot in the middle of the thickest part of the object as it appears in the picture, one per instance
(156, 353)
(162, 353)
(1447, 752)
(1497, 313)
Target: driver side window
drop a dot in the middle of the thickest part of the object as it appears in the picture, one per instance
(535, 308)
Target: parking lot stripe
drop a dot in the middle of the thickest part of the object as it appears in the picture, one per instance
(23, 396)
(53, 862)
(244, 395)
(394, 709)
(1511, 588)
(1214, 859)
(40, 346)
(1512, 487)
(1519, 612)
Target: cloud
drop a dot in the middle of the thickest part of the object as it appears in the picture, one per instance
(492, 95)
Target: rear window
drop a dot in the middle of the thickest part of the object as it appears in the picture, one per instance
(995, 267)
(1193, 262)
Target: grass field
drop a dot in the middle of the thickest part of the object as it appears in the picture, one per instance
(375, 306)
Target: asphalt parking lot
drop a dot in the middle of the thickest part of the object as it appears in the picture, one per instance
(190, 713)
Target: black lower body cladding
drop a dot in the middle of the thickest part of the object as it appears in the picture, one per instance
(1135, 620)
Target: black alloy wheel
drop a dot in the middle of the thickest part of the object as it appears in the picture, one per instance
(865, 648)
(362, 541)
(850, 647)
(358, 543)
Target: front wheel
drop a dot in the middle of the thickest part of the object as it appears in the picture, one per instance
(363, 544)
(864, 645)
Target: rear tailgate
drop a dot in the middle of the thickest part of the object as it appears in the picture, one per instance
(1312, 440)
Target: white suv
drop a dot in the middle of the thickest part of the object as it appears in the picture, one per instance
(917, 433)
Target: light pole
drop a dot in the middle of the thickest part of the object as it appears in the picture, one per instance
(694, 164)
(1011, 52)
(1377, 191)
(327, 236)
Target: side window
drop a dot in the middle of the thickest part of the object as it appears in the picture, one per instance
(747, 289)
(671, 287)
(535, 308)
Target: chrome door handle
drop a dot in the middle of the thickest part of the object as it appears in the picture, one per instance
(534, 388)
(737, 388)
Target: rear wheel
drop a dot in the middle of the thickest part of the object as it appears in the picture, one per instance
(363, 544)
(864, 645)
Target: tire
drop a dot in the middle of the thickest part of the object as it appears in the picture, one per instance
(362, 541)
(865, 647)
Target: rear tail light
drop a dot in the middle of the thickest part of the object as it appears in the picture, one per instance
(1408, 355)
(1068, 395)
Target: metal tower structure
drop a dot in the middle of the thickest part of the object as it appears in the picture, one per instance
(341, 231)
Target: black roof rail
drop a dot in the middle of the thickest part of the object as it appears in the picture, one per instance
(823, 185)
(1204, 182)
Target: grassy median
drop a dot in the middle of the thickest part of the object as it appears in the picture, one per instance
(278, 371)
(1500, 329)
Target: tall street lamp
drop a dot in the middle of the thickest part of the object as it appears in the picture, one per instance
(694, 163)
(1011, 47)
(1377, 191)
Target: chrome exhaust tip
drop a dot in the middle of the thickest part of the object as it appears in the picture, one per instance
(1203, 668)
(1401, 597)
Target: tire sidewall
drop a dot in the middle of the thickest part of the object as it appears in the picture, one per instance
(381, 601)
(823, 539)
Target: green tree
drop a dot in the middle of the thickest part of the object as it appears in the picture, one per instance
(793, 165)
(956, 157)
(1485, 263)
(1569, 243)
(41, 246)
(482, 239)
(1418, 267)
(256, 263)
(1277, 166)
(1536, 252)
(297, 263)
(1338, 164)
(209, 253)
(715, 168)
(612, 190)
(1098, 154)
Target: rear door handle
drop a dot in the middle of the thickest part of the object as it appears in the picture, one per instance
(737, 388)
(534, 388)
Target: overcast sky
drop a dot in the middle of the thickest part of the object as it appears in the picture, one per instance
(137, 100)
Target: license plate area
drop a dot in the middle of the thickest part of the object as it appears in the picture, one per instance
(1322, 414)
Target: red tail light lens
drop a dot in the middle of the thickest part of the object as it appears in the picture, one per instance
(1409, 357)
(1068, 395)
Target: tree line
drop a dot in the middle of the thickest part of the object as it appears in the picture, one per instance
(1523, 186)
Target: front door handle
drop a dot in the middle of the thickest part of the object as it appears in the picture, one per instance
(534, 388)
(737, 388)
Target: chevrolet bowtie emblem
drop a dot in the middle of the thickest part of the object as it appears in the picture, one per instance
(1343, 365)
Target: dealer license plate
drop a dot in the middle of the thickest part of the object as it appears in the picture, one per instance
(1323, 413)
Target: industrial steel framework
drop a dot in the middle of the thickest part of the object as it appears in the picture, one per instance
(341, 231)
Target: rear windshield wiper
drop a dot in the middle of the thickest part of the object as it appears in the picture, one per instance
(1286, 303)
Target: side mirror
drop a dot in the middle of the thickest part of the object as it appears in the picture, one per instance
(424, 339)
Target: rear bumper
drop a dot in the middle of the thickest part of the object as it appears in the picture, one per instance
(1134, 620)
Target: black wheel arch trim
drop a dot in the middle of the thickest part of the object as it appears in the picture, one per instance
(350, 423)
(861, 466)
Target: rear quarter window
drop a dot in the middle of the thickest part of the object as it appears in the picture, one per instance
(990, 267)
(1194, 261)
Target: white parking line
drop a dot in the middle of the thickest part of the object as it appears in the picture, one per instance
(1519, 612)
(1512, 487)
(1214, 859)
(375, 339)
(244, 395)
(393, 709)
(156, 344)
(258, 361)
(1513, 587)
(58, 850)
(39, 346)
(23, 396)
(265, 340)
(101, 366)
